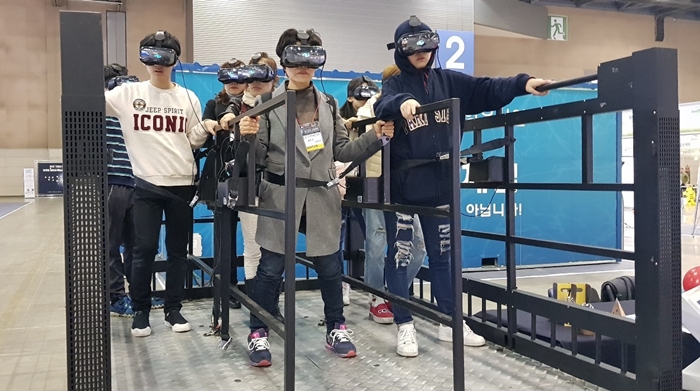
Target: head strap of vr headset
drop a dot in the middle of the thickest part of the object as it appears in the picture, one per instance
(303, 37)
(415, 24)
(160, 36)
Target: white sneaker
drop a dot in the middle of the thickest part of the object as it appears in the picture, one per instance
(406, 343)
(470, 338)
(346, 293)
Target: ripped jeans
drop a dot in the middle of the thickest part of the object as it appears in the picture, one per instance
(375, 249)
(436, 230)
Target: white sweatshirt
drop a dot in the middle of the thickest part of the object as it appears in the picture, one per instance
(161, 127)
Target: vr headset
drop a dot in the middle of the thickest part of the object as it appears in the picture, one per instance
(257, 72)
(305, 55)
(417, 41)
(158, 55)
(365, 92)
(119, 80)
(246, 74)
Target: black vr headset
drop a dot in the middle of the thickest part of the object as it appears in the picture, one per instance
(119, 80)
(365, 92)
(305, 55)
(246, 74)
(416, 41)
(158, 55)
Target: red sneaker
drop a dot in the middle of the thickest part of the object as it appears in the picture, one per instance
(381, 313)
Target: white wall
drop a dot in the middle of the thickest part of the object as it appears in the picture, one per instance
(354, 33)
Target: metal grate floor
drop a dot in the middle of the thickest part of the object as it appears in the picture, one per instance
(190, 361)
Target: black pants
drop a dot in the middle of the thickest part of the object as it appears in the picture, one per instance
(148, 212)
(121, 232)
(269, 276)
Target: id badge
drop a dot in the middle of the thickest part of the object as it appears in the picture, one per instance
(312, 136)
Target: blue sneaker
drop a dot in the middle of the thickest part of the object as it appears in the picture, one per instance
(339, 342)
(259, 349)
(157, 302)
(122, 307)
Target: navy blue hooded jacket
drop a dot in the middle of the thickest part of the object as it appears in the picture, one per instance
(428, 134)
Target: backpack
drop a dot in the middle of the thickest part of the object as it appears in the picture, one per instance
(621, 288)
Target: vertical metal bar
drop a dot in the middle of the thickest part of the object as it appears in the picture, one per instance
(574, 340)
(470, 312)
(597, 348)
(483, 310)
(657, 240)
(478, 140)
(216, 276)
(386, 173)
(499, 316)
(510, 232)
(227, 257)
(553, 336)
(623, 358)
(587, 149)
(290, 242)
(456, 248)
(533, 327)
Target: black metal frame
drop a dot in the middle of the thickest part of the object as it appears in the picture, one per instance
(88, 344)
(647, 83)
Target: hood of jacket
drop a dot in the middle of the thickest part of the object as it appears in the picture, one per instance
(402, 60)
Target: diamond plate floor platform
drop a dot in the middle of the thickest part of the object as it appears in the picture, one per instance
(191, 361)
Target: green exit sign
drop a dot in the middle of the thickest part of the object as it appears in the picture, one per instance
(558, 28)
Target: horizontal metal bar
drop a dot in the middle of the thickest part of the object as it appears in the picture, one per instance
(609, 325)
(262, 108)
(360, 125)
(202, 220)
(406, 209)
(575, 248)
(579, 366)
(273, 323)
(417, 308)
(275, 214)
(616, 187)
(568, 83)
(548, 113)
(201, 265)
(485, 289)
(443, 104)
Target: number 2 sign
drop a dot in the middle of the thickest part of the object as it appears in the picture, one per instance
(456, 51)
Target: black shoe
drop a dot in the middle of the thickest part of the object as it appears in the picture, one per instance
(177, 322)
(234, 303)
(140, 327)
(259, 349)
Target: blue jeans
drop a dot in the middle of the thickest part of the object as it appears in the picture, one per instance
(375, 249)
(269, 276)
(400, 234)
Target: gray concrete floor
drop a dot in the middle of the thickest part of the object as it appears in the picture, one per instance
(32, 313)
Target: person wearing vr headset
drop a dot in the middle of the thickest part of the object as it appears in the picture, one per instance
(161, 127)
(359, 90)
(424, 137)
(120, 200)
(259, 77)
(231, 90)
(321, 139)
(380, 311)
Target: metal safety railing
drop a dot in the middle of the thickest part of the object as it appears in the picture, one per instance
(616, 352)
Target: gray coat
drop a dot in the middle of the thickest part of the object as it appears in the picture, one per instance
(322, 205)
